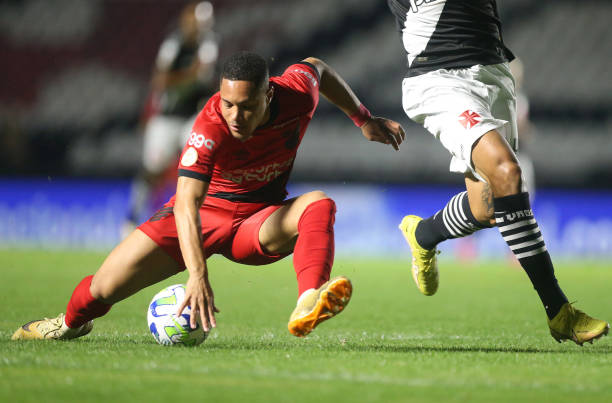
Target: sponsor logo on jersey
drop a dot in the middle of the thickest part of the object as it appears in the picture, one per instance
(313, 80)
(414, 4)
(469, 119)
(264, 173)
(198, 140)
(190, 157)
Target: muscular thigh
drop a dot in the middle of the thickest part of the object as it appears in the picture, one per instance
(246, 246)
(280, 230)
(271, 233)
(458, 107)
(216, 219)
(137, 262)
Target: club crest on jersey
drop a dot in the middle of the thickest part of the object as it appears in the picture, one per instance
(469, 119)
(190, 157)
(198, 140)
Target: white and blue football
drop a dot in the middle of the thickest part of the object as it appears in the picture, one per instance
(167, 328)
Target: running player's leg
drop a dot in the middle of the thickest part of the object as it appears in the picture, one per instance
(495, 161)
(304, 226)
(481, 200)
(462, 216)
(134, 264)
(454, 107)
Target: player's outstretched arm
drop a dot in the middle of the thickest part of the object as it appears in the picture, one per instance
(337, 91)
(190, 194)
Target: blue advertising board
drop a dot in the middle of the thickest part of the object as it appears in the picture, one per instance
(78, 214)
(62, 213)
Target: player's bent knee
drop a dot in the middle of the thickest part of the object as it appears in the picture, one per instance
(510, 173)
(315, 195)
(322, 210)
(506, 179)
(323, 201)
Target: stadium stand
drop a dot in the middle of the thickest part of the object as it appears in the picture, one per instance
(78, 74)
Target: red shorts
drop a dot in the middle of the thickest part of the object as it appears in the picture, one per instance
(228, 228)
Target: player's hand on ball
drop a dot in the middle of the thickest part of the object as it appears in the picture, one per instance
(199, 295)
(384, 131)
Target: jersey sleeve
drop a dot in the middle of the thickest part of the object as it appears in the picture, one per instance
(303, 77)
(201, 151)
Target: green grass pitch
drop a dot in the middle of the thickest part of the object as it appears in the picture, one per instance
(482, 338)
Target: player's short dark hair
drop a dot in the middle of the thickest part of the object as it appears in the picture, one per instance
(246, 66)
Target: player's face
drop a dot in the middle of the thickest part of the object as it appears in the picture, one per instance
(244, 106)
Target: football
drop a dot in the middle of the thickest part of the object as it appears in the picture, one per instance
(167, 328)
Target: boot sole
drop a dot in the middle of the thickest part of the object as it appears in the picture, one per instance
(332, 300)
(561, 338)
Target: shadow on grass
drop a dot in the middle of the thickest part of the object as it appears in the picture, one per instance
(121, 343)
(475, 349)
(400, 348)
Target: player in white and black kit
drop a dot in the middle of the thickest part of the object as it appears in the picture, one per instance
(183, 76)
(458, 85)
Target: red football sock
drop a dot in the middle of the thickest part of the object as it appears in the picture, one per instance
(313, 255)
(82, 307)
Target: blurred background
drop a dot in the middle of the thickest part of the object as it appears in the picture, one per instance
(81, 82)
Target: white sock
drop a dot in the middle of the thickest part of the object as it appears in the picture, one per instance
(64, 325)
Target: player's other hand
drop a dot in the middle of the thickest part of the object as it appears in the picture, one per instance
(384, 131)
(200, 297)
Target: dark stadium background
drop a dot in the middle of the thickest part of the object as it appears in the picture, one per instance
(75, 76)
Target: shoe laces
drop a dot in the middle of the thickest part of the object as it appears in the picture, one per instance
(577, 319)
(428, 256)
(50, 325)
(580, 318)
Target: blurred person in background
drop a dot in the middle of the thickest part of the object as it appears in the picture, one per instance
(13, 143)
(183, 76)
(459, 86)
(230, 200)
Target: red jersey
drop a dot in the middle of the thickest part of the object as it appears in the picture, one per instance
(258, 169)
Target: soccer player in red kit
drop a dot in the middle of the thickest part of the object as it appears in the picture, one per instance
(230, 200)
